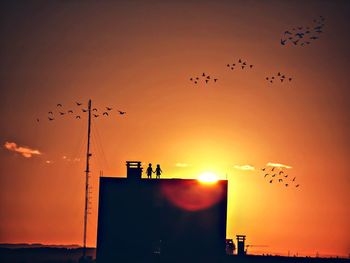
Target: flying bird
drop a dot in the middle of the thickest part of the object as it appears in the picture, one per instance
(273, 168)
(281, 172)
(297, 185)
(271, 181)
(84, 110)
(105, 113)
(206, 81)
(266, 175)
(293, 179)
(283, 42)
(286, 185)
(250, 66)
(280, 180)
(50, 119)
(94, 109)
(37, 119)
(215, 80)
(70, 111)
(109, 109)
(59, 105)
(77, 117)
(78, 103)
(203, 74)
(273, 175)
(50, 112)
(121, 112)
(263, 169)
(62, 113)
(95, 115)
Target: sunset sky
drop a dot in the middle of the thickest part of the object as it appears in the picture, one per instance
(139, 57)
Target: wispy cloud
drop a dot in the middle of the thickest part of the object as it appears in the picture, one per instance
(23, 150)
(182, 165)
(245, 167)
(279, 165)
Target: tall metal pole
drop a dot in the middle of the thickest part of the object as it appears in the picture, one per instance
(88, 155)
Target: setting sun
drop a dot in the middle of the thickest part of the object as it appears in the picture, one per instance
(208, 178)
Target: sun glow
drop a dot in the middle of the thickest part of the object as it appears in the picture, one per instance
(208, 178)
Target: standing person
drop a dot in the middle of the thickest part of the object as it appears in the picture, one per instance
(149, 171)
(158, 171)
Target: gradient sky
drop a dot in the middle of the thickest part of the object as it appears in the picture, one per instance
(139, 57)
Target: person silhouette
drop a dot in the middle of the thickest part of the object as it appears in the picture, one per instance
(158, 171)
(149, 171)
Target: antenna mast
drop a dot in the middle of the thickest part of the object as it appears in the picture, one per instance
(87, 171)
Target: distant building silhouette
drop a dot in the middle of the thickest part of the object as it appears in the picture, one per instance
(177, 220)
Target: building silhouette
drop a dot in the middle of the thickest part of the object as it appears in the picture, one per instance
(164, 220)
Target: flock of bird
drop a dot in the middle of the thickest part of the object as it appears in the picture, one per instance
(280, 76)
(204, 78)
(303, 35)
(240, 64)
(275, 175)
(77, 113)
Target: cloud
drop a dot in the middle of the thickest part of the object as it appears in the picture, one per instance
(279, 165)
(182, 165)
(245, 167)
(23, 150)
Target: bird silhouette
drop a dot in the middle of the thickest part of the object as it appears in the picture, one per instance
(105, 113)
(283, 42)
(191, 79)
(287, 32)
(121, 112)
(293, 179)
(273, 175)
(208, 77)
(295, 42)
(59, 105)
(281, 172)
(206, 81)
(94, 109)
(215, 80)
(84, 110)
(286, 176)
(297, 185)
(62, 113)
(203, 74)
(228, 65)
(273, 168)
(290, 79)
(266, 175)
(280, 180)
(78, 103)
(70, 111)
(37, 119)
(286, 185)
(250, 66)
(313, 37)
(239, 61)
(77, 117)
(109, 109)
(95, 115)
(271, 181)
(50, 119)
(50, 112)
(263, 169)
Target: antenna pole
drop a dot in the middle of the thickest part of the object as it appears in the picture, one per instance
(87, 171)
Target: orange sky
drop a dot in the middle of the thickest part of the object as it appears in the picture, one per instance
(139, 57)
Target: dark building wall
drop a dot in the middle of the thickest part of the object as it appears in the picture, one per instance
(179, 218)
